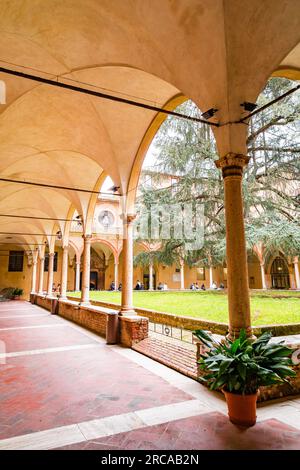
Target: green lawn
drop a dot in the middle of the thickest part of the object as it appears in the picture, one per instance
(266, 309)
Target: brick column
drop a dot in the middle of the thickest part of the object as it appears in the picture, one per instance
(85, 281)
(127, 274)
(41, 280)
(50, 273)
(64, 273)
(237, 270)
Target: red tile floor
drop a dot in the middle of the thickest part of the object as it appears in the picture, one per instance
(57, 375)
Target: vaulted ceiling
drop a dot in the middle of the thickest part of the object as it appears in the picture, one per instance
(217, 52)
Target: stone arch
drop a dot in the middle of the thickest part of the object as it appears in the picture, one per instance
(143, 148)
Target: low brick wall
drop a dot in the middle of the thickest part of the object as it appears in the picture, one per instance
(44, 302)
(126, 330)
(278, 330)
(91, 319)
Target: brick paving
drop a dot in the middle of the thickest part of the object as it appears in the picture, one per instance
(67, 387)
(57, 389)
(211, 431)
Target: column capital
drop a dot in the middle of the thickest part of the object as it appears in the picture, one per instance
(232, 164)
(128, 218)
(51, 255)
(87, 237)
(295, 260)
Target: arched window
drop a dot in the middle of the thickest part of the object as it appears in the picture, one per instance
(280, 274)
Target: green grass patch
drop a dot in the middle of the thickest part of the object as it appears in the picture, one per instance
(266, 308)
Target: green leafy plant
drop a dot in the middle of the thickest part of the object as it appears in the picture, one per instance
(243, 365)
(17, 292)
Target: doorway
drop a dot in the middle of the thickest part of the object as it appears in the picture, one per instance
(146, 281)
(280, 274)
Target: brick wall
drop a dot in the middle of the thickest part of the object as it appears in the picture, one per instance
(133, 329)
(93, 320)
(187, 323)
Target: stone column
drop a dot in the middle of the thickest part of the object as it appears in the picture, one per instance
(33, 279)
(116, 274)
(263, 276)
(41, 280)
(151, 275)
(64, 273)
(211, 278)
(50, 273)
(127, 272)
(77, 275)
(237, 269)
(86, 266)
(296, 269)
(181, 275)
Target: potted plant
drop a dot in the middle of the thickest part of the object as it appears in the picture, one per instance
(16, 295)
(240, 367)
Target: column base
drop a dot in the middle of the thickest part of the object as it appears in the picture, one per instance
(129, 311)
(85, 304)
(234, 333)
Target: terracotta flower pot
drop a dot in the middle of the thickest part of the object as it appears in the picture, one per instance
(241, 408)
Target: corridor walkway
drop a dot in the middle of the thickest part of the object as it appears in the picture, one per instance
(63, 387)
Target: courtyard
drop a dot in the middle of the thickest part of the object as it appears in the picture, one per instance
(149, 145)
(268, 307)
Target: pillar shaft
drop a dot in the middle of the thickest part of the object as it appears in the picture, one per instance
(41, 279)
(86, 266)
(127, 273)
(263, 276)
(33, 279)
(182, 276)
(77, 276)
(151, 275)
(116, 275)
(297, 276)
(237, 269)
(50, 273)
(64, 273)
(211, 278)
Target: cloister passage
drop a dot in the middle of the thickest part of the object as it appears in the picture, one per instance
(61, 135)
